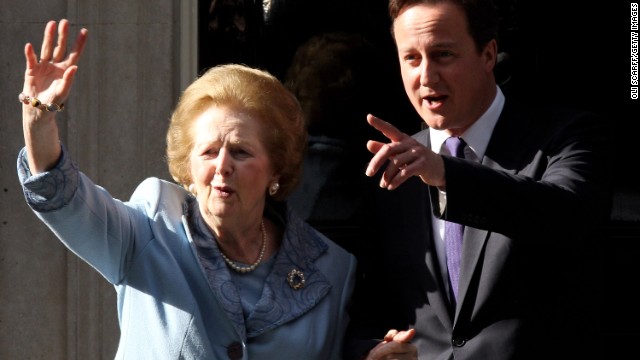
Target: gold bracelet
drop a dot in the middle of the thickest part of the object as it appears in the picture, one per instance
(28, 100)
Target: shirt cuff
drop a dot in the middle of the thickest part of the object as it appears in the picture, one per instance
(442, 201)
(50, 190)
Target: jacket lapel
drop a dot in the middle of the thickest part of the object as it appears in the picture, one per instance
(474, 241)
(504, 152)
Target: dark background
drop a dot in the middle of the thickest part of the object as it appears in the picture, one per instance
(571, 53)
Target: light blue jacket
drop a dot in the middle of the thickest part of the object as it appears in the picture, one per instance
(167, 308)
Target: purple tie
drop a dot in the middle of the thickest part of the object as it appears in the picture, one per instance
(453, 231)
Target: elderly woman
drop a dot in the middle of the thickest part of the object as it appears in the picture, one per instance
(215, 267)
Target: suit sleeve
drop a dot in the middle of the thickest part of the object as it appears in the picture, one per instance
(558, 185)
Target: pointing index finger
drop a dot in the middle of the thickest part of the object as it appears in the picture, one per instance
(383, 152)
(388, 130)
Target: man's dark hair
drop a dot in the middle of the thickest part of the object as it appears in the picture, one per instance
(482, 17)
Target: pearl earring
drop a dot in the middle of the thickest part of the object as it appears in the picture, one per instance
(273, 189)
(192, 189)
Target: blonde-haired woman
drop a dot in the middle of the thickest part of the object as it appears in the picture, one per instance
(212, 267)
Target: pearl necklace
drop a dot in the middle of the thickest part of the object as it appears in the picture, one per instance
(243, 269)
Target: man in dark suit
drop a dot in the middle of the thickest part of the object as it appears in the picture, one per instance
(530, 187)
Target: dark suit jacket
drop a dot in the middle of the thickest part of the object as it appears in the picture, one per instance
(532, 212)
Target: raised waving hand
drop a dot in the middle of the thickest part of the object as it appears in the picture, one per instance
(47, 83)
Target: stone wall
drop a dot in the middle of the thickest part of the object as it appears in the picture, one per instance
(52, 305)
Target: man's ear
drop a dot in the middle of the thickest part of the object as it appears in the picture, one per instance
(490, 54)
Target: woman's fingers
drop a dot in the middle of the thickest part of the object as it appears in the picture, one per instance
(57, 53)
(64, 87)
(50, 79)
(78, 47)
(46, 51)
(30, 56)
(61, 47)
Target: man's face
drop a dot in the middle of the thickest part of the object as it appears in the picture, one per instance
(448, 81)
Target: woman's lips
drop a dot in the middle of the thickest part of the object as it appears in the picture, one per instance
(223, 191)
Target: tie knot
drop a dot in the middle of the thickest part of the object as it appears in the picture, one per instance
(455, 145)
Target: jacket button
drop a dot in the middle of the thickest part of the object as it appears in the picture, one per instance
(458, 341)
(234, 351)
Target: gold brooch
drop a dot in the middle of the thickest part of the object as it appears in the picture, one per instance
(295, 279)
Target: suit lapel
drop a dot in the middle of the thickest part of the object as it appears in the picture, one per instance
(505, 150)
(474, 241)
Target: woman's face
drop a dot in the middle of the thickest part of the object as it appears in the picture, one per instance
(230, 167)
